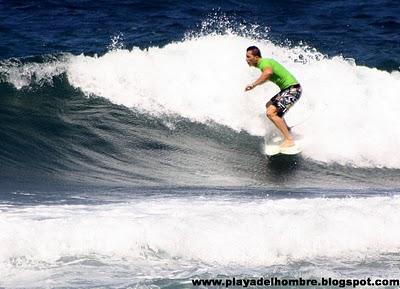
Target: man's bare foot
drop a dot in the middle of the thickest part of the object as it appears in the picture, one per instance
(287, 143)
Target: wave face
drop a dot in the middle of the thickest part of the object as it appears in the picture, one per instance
(181, 111)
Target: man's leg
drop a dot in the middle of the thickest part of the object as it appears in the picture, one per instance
(272, 114)
(288, 127)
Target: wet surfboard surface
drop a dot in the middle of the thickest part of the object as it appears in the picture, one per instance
(273, 149)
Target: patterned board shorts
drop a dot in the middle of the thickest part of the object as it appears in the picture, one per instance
(284, 99)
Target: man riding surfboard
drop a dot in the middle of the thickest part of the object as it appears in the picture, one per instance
(290, 88)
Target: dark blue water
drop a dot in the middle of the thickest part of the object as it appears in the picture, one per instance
(115, 186)
(363, 30)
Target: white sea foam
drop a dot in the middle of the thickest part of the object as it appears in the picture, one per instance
(220, 232)
(23, 75)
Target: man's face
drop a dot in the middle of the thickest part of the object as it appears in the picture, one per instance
(251, 59)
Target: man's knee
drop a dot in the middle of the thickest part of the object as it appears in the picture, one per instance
(271, 111)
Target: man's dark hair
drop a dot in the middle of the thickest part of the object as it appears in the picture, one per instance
(254, 50)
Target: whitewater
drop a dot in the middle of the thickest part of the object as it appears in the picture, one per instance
(163, 237)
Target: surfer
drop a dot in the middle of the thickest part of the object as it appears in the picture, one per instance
(290, 88)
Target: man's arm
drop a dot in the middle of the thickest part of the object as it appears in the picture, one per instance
(265, 75)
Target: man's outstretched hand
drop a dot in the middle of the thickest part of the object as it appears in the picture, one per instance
(249, 87)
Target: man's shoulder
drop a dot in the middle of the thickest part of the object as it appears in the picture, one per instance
(270, 60)
(265, 62)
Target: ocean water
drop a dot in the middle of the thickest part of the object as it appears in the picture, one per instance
(131, 157)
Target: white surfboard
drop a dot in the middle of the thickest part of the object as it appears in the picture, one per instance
(273, 149)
